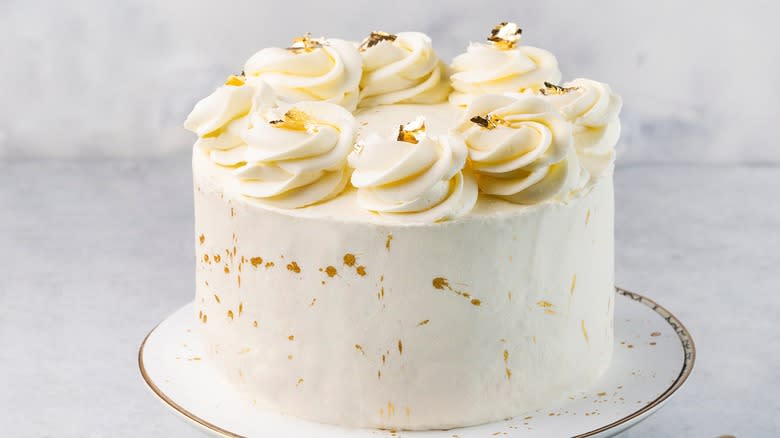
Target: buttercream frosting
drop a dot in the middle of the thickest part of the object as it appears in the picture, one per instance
(311, 69)
(501, 66)
(401, 68)
(520, 148)
(593, 108)
(413, 176)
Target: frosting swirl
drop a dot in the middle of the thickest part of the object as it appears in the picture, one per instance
(297, 158)
(414, 178)
(520, 148)
(500, 66)
(220, 118)
(401, 68)
(593, 109)
(311, 69)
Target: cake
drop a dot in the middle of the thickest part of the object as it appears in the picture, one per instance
(384, 240)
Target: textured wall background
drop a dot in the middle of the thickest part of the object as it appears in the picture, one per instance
(90, 78)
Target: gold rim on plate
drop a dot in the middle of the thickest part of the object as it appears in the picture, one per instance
(689, 350)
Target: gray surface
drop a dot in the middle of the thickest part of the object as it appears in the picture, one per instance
(95, 253)
(698, 76)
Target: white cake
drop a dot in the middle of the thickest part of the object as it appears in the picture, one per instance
(372, 255)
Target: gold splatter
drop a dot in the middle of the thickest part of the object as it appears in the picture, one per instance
(331, 271)
(349, 259)
(269, 265)
(289, 357)
(232, 212)
(361, 270)
(652, 343)
(255, 324)
(584, 330)
(206, 258)
(408, 411)
(549, 312)
(400, 347)
(384, 358)
(227, 270)
(423, 322)
(390, 409)
(230, 314)
(509, 295)
(440, 283)
(202, 239)
(194, 358)
(602, 394)
(238, 277)
(387, 242)
(476, 302)
(508, 373)
(506, 356)
(200, 314)
(630, 346)
(216, 298)
(313, 300)
(573, 284)
(299, 381)
(205, 318)
(655, 334)
(359, 348)
(587, 217)
(544, 304)
(293, 266)
(256, 261)
(240, 308)
(528, 417)
(217, 258)
(533, 338)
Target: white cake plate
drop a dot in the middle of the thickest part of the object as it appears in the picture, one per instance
(654, 355)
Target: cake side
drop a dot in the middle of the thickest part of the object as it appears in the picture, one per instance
(415, 327)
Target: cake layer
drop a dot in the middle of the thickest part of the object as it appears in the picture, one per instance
(331, 314)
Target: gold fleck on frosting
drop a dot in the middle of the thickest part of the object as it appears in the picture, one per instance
(305, 44)
(361, 270)
(423, 322)
(216, 298)
(400, 347)
(202, 239)
(476, 302)
(217, 258)
(551, 89)
(230, 314)
(413, 131)
(387, 242)
(349, 259)
(293, 267)
(573, 284)
(375, 38)
(488, 121)
(584, 330)
(293, 119)
(331, 271)
(291, 338)
(505, 35)
(235, 81)
(256, 261)
(359, 348)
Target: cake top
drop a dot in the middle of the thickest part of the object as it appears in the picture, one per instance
(303, 125)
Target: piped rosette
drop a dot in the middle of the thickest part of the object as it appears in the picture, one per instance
(413, 177)
(295, 155)
(521, 149)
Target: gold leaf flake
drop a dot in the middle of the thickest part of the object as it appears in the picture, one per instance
(331, 271)
(361, 270)
(306, 43)
(230, 314)
(476, 302)
(375, 38)
(413, 131)
(216, 298)
(293, 119)
(387, 242)
(359, 348)
(349, 259)
(423, 322)
(551, 89)
(544, 304)
(299, 381)
(440, 283)
(240, 308)
(293, 267)
(291, 338)
(573, 284)
(488, 121)
(235, 81)
(400, 347)
(202, 239)
(505, 35)
(255, 324)
(217, 258)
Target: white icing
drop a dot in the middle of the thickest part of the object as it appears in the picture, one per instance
(415, 182)
(331, 72)
(593, 109)
(488, 69)
(527, 157)
(405, 70)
